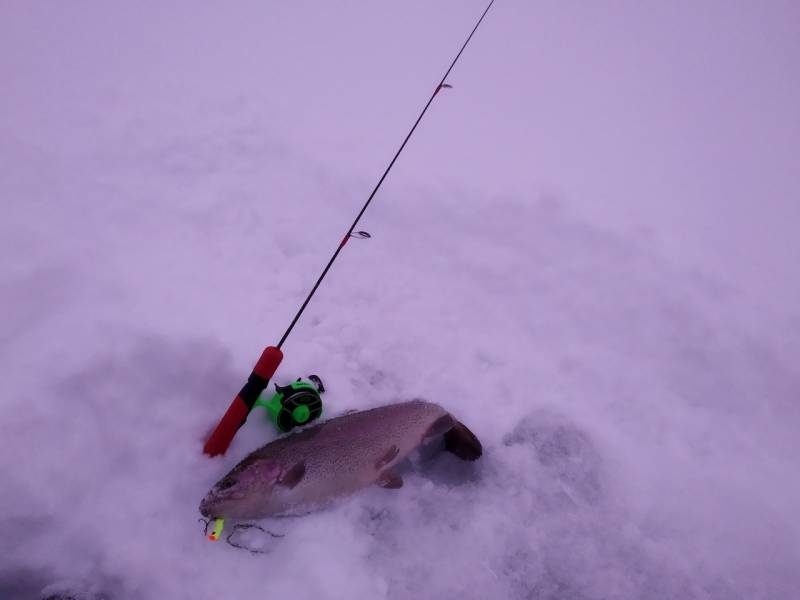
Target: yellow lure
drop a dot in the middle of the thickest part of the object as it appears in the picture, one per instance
(218, 524)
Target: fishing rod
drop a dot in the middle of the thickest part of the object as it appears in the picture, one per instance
(271, 357)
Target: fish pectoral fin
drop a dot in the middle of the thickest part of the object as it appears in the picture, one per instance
(390, 480)
(292, 476)
(390, 455)
(462, 442)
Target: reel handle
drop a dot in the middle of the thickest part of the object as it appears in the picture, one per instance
(237, 412)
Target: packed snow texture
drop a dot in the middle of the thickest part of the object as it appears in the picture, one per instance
(639, 417)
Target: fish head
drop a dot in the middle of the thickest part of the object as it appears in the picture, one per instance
(244, 491)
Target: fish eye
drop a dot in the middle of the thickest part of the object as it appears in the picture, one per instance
(226, 483)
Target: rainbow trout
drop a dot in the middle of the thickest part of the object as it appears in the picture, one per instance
(304, 470)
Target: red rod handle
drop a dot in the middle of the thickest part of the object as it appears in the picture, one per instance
(237, 412)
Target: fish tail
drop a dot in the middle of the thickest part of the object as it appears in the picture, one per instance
(462, 442)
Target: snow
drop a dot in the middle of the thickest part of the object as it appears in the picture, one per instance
(172, 180)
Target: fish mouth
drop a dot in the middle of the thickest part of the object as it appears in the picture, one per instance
(213, 504)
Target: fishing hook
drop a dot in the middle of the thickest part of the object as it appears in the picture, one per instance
(239, 526)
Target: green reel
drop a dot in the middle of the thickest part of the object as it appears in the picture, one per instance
(294, 405)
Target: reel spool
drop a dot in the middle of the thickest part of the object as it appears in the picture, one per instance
(294, 405)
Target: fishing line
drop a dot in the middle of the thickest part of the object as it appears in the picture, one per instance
(272, 356)
(237, 527)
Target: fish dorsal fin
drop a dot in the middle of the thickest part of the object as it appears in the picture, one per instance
(292, 477)
(462, 442)
(390, 480)
(390, 455)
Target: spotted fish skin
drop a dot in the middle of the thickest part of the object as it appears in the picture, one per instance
(303, 470)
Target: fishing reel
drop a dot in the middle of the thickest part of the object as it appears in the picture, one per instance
(295, 404)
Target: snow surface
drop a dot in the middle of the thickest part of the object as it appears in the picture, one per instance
(172, 179)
